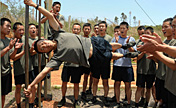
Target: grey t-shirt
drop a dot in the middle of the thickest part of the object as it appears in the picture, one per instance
(144, 65)
(5, 60)
(35, 57)
(71, 64)
(170, 78)
(51, 31)
(106, 37)
(71, 48)
(19, 65)
(161, 71)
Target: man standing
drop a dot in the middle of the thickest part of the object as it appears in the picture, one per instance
(161, 71)
(71, 70)
(104, 71)
(146, 70)
(59, 18)
(85, 70)
(19, 66)
(7, 53)
(122, 68)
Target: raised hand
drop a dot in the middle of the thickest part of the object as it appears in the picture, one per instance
(156, 37)
(149, 46)
(128, 39)
(18, 45)
(29, 3)
(12, 42)
(93, 34)
(116, 37)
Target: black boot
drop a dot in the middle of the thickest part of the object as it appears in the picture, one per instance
(62, 102)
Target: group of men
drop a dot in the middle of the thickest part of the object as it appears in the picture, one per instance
(92, 57)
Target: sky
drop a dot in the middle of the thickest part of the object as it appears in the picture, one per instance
(157, 10)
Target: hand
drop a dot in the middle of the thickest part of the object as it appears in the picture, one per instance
(12, 42)
(32, 47)
(29, 3)
(116, 37)
(149, 46)
(128, 39)
(54, 14)
(93, 34)
(156, 37)
(27, 91)
(150, 56)
(18, 45)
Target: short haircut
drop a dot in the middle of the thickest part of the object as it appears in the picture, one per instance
(35, 46)
(116, 27)
(124, 23)
(174, 17)
(95, 25)
(32, 24)
(141, 27)
(3, 21)
(87, 24)
(76, 24)
(103, 22)
(168, 20)
(16, 24)
(55, 3)
(150, 28)
(37, 26)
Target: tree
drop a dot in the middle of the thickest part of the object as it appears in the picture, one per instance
(134, 18)
(16, 11)
(96, 19)
(124, 17)
(116, 20)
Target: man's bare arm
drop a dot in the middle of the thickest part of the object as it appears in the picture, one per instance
(52, 21)
(170, 50)
(166, 60)
(6, 49)
(19, 55)
(39, 77)
(115, 46)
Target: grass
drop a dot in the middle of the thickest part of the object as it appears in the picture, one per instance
(56, 87)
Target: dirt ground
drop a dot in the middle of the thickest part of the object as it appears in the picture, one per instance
(57, 95)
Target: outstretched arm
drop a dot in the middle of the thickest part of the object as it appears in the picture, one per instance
(39, 77)
(151, 45)
(115, 46)
(52, 21)
(166, 60)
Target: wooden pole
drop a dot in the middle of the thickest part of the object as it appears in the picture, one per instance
(26, 54)
(0, 79)
(36, 11)
(39, 59)
(45, 36)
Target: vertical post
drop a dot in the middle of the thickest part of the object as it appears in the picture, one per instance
(39, 59)
(0, 77)
(26, 54)
(45, 35)
(36, 11)
(69, 22)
